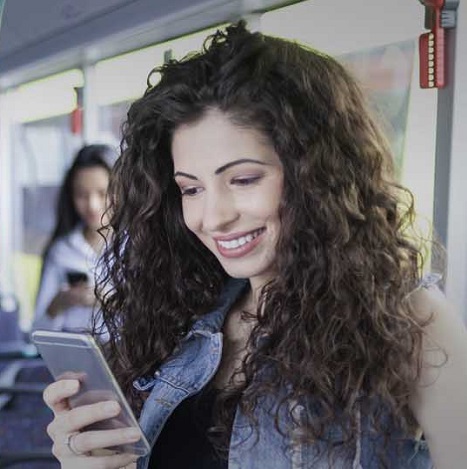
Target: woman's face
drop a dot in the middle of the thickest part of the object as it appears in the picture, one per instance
(231, 182)
(89, 194)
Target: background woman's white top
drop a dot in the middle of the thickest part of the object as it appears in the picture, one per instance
(70, 253)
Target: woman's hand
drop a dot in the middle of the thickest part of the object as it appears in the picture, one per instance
(77, 295)
(76, 449)
(84, 294)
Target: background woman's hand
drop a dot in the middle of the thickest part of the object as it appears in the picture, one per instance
(75, 448)
(77, 295)
(83, 294)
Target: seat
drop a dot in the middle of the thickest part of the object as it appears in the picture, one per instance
(24, 443)
(14, 342)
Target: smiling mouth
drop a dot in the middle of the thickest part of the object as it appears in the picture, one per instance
(240, 241)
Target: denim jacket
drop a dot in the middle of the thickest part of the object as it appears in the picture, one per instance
(193, 365)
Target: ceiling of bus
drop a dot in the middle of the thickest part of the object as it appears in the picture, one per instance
(33, 30)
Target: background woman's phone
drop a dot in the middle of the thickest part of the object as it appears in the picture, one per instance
(77, 355)
(74, 277)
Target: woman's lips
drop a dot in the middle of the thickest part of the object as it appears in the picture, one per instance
(233, 247)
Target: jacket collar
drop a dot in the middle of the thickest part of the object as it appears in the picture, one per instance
(213, 321)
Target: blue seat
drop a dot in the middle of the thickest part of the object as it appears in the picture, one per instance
(24, 417)
(24, 443)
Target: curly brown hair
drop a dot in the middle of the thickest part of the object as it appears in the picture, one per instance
(337, 318)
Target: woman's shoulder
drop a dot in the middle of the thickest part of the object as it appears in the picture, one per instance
(64, 245)
(428, 299)
(445, 334)
(59, 244)
(439, 401)
(444, 330)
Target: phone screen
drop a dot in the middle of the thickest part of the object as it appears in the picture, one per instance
(77, 355)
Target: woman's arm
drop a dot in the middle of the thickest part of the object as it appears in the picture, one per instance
(50, 285)
(55, 296)
(440, 400)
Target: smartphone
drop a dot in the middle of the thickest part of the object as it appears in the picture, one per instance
(74, 277)
(78, 356)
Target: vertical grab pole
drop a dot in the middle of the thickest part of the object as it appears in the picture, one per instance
(437, 52)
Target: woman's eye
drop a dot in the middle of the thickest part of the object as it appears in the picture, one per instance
(190, 191)
(246, 181)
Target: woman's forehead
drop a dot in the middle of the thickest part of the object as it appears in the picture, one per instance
(215, 140)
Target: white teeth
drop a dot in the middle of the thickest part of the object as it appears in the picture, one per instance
(235, 243)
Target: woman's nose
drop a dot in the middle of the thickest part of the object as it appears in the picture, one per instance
(95, 203)
(219, 212)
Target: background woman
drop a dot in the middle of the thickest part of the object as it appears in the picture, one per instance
(268, 304)
(66, 293)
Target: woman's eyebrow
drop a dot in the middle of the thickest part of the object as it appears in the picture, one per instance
(186, 175)
(222, 168)
(236, 162)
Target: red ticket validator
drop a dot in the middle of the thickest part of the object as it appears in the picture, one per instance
(440, 15)
(432, 47)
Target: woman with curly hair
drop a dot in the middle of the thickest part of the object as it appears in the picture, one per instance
(268, 308)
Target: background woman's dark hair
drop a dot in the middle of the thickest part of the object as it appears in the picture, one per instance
(67, 218)
(339, 323)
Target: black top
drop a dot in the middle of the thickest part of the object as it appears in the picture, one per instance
(183, 442)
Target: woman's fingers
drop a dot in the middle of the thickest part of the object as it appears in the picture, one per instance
(87, 442)
(56, 394)
(76, 419)
(77, 450)
(82, 294)
(114, 461)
